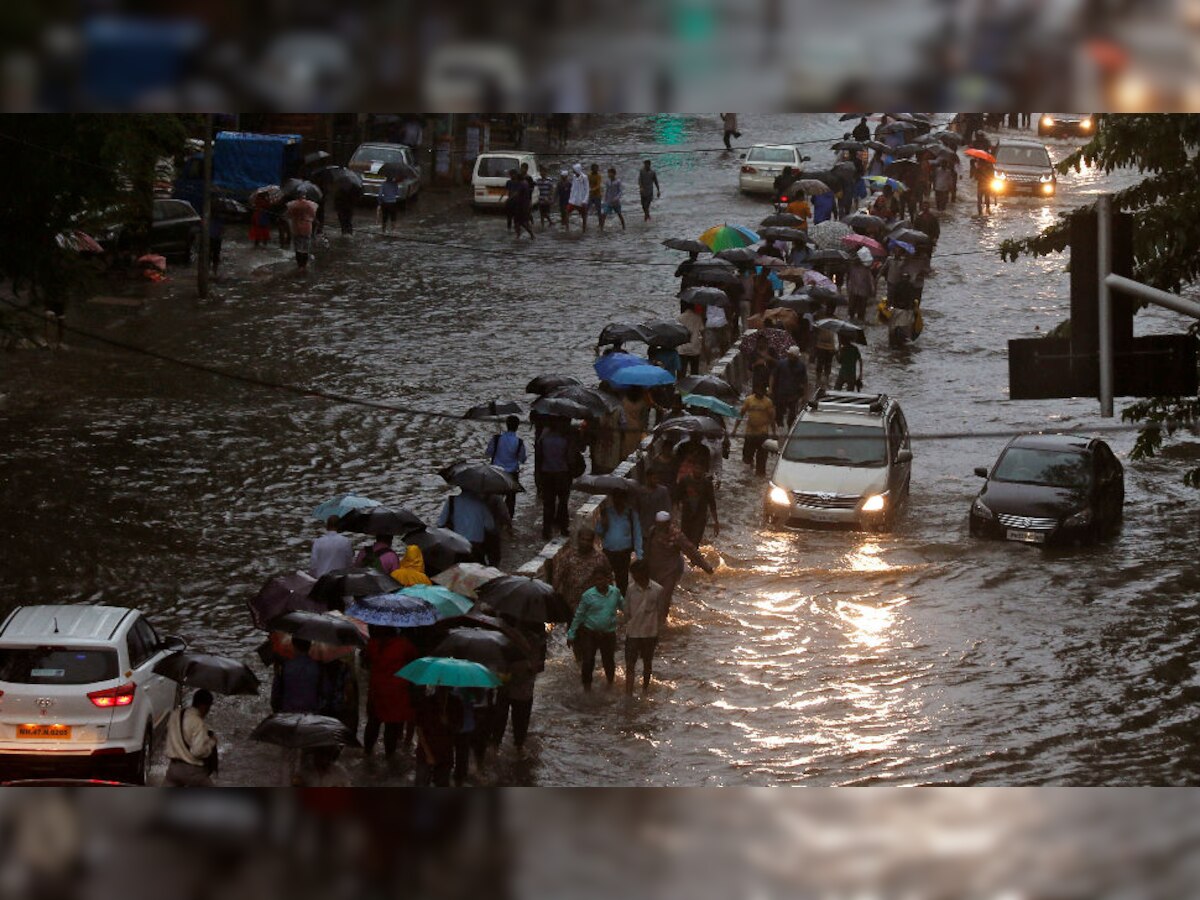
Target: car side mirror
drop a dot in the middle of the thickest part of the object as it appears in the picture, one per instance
(742, 156)
(904, 455)
(174, 643)
(981, 471)
(771, 446)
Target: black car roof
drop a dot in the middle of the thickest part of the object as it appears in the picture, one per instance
(1081, 443)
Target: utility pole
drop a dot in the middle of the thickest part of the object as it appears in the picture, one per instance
(206, 213)
(1104, 246)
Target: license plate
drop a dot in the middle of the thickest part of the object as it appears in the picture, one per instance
(1026, 537)
(820, 515)
(496, 192)
(44, 732)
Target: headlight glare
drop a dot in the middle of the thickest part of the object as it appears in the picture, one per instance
(779, 496)
(875, 503)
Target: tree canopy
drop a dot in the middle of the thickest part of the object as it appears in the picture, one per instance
(1166, 230)
(64, 172)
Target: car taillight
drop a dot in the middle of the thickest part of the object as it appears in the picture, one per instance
(783, 199)
(749, 170)
(122, 695)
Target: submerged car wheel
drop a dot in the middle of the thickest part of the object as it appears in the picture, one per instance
(138, 766)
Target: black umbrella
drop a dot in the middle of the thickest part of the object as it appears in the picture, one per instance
(826, 256)
(783, 233)
(902, 168)
(894, 127)
(491, 648)
(708, 386)
(380, 520)
(686, 245)
(716, 277)
(738, 255)
(317, 156)
(865, 224)
(303, 731)
(218, 674)
(598, 402)
(480, 478)
(844, 329)
(704, 296)
(525, 599)
(800, 303)
(356, 581)
(320, 627)
(877, 146)
(849, 145)
(823, 293)
(495, 409)
(846, 117)
(666, 334)
(620, 333)
(697, 266)
(691, 426)
(785, 219)
(927, 140)
(440, 548)
(949, 138)
(298, 187)
(604, 484)
(561, 407)
(283, 595)
(905, 150)
(401, 171)
(544, 384)
(909, 236)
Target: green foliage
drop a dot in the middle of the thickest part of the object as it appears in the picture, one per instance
(63, 172)
(1166, 235)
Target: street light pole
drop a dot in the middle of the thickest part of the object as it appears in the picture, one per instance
(206, 213)
(1104, 245)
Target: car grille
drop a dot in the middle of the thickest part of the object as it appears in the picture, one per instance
(827, 501)
(1027, 523)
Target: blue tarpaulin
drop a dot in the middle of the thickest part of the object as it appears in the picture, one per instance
(243, 161)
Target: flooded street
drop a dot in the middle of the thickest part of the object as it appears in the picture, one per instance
(818, 657)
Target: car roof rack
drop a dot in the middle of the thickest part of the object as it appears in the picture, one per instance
(848, 401)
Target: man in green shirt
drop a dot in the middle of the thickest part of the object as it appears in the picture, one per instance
(595, 628)
(849, 367)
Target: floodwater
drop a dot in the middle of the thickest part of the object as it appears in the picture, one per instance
(820, 658)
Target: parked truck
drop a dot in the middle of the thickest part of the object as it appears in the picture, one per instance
(242, 162)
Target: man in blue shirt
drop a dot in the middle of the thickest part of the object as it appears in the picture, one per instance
(468, 514)
(620, 534)
(507, 451)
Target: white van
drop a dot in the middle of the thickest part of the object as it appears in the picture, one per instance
(491, 174)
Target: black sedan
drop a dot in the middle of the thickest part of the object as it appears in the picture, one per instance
(1080, 125)
(172, 230)
(1050, 489)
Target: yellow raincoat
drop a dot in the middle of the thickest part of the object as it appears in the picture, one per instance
(412, 568)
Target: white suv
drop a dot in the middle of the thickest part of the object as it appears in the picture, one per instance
(78, 691)
(846, 461)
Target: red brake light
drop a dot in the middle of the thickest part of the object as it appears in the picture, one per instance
(749, 170)
(122, 695)
(783, 199)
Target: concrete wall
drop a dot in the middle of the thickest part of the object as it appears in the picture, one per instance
(731, 367)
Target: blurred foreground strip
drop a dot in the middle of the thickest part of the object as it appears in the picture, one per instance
(581, 844)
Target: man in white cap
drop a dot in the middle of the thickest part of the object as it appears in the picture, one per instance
(665, 548)
(578, 200)
(860, 284)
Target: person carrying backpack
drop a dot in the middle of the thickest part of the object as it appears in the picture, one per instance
(507, 451)
(379, 555)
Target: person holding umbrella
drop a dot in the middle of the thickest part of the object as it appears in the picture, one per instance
(594, 628)
(439, 718)
(191, 748)
(693, 320)
(507, 451)
(555, 456)
(389, 698)
(468, 513)
(789, 386)
(620, 535)
(379, 555)
(860, 284)
(850, 366)
(330, 551)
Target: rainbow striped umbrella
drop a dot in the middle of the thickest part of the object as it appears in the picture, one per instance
(726, 237)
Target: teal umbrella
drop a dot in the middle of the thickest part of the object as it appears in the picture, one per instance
(339, 506)
(445, 601)
(445, 672)
(711, 403)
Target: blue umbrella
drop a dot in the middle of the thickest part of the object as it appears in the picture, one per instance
(607, 365)
(642, 376)
(711, 403)
(393, 610)
(903, 245)
(339, 506)
(439, 670)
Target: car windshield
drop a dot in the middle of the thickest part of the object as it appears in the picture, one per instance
(1009, 155)
(497, 166)
(365, 155)
(826, 444)
(56, 665)
(771, 155)
(1053, 468)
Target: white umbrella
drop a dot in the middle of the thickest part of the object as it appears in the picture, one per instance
(828, 235)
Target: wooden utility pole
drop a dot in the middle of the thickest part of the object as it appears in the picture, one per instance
(206, 213)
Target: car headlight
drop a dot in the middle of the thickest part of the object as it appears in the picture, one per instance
(980, 509)
(875, 503)
(1081, 519)
(1048, 187)
(1086, 124)
(779, 496)
(1048, 121)
(997, 184)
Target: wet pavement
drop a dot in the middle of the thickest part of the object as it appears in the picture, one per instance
(817, 657)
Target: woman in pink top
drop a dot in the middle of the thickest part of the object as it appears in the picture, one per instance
(302, 213)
